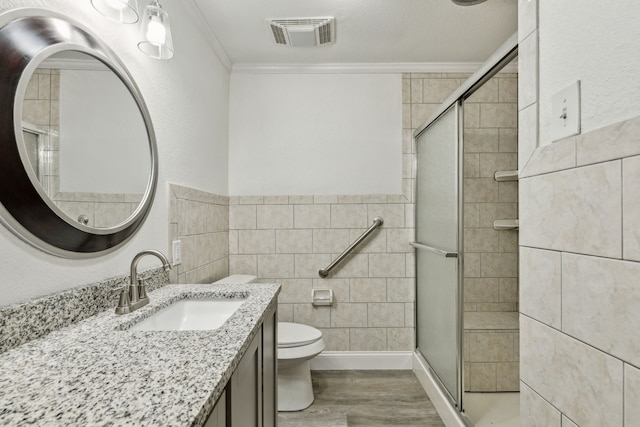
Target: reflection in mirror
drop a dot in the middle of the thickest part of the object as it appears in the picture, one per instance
(85, 139)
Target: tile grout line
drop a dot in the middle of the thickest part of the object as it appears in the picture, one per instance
(591, 346)
(623, 395)
(622, 208)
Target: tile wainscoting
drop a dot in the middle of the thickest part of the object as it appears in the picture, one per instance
(287, 239)
(200, 220)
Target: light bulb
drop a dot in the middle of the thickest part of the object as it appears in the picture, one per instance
(156, 32)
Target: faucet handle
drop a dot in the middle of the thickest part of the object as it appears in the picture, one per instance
(142, 289)
(122, 288)
(124, 296)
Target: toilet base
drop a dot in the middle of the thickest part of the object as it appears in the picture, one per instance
(295, 391)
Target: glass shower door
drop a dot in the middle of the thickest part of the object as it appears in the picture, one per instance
(437, 245)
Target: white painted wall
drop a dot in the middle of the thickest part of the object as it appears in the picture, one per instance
(315, 134)
(188, 102)
(595, 42)
(103, 146)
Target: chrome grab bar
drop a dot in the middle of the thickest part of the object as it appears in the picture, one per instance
(377, 222)
(434, 250)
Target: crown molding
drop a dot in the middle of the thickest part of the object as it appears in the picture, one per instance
(359, 68)
(209, 34)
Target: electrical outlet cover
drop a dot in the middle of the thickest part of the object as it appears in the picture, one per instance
(565, 110)
(177, 252)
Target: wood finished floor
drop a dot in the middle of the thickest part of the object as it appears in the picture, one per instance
(365, 398)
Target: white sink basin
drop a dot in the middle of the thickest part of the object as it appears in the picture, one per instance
(190, 315)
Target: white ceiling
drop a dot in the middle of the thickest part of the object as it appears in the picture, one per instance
(367, 31)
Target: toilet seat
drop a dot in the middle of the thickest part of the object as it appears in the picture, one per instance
(296, 341)
(305, 352)
(296, 335)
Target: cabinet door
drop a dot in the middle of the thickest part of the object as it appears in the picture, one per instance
(270, 370)
(246, 387)
(218, 417)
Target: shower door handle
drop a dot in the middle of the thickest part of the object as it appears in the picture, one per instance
(436, 251)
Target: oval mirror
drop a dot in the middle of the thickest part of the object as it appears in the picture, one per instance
(77, 150)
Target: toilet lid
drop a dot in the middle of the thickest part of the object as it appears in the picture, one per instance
(295, 334)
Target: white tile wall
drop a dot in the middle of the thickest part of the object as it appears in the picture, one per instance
(609, 143)
(579, 269)
(631, 395)
(551, 158)
(584, 383)
(593, 224)
(527, 134)
(631, 208)
(541, 285)
(600, 300)
(566, 422)
(535, 411)
(528, 70)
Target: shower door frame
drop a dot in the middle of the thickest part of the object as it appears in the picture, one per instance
(500, 58)
(458, 108)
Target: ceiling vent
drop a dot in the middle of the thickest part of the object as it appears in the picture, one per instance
(304, 32)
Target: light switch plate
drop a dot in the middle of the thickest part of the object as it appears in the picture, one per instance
(177, 252)
(565, 110)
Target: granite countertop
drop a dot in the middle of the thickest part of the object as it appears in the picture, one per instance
(96, 372)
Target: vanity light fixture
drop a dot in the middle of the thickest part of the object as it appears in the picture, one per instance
(155, 32)
(123, 11)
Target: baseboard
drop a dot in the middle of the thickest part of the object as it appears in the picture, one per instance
(362, 360)
(449, 414)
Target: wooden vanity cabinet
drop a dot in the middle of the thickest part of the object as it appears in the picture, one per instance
(270, 371)
(250, 396)
(218, 417)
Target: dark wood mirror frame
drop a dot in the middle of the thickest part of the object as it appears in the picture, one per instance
(27, 37)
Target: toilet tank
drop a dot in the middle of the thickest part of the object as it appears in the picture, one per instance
(236, 279)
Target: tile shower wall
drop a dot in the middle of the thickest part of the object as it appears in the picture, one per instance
(579, 263)
(200, 220)
(490, 145)
(41, 108)
(491, 360)
(491, 256)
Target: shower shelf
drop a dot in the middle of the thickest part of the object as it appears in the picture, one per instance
(506, 175)
(506, 224)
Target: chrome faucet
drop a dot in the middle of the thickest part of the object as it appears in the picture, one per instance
(135, 295)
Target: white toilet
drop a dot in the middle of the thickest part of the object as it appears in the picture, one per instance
(297, 344)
